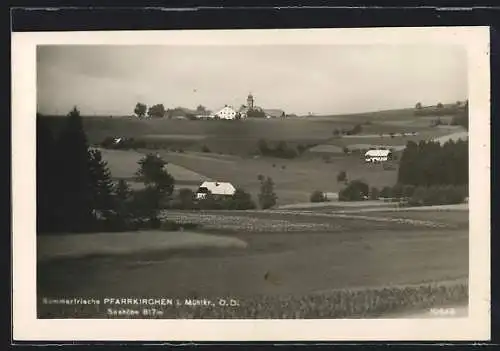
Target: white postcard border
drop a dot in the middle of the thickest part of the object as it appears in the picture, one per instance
(27, 327)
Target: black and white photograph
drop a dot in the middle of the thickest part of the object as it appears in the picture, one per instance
(257, 175)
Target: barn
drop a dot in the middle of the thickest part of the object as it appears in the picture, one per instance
(215, 188)
(378, 155)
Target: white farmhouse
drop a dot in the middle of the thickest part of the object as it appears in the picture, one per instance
(378, 155)
(215, 188)
(227, 113)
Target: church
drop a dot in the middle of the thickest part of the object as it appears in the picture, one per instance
(250, 110)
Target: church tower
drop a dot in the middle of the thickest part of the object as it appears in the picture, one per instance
(250, 101)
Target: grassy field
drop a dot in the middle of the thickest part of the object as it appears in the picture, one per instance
(398, 141)
(57, 247)
(458, 217)
(237, 137)
(232, 145)
(294, 260)
(241, 137)
(123, 165)
(359, 254)
(294, 179)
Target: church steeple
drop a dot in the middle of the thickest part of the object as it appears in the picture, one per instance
(250, 101)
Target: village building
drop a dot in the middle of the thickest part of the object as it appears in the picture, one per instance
(218, 189)
(378, 155)
(228, 112)
(274, 113)
(246, 110)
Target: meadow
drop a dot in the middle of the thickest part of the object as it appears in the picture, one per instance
(305, 267)
(241, 137)
(295, 263)
(294, 179)
(231, 149)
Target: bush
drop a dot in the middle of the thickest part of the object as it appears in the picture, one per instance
(408, 191)
(241, 200)
(342, 176)
(386, 192)
(346, 150)
(185, 200)
(438, 195)
(356, 190)
(397, 191)
(317, 196)
(374, 193)
(205, 148)
(267, 196)
(357, 129)
(281, 150)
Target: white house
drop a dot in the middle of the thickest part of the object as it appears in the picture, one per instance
(215, 188)
(378, 155)
(227, 113)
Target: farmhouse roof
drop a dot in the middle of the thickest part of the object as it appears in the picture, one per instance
(219, 188)
(227, 107)
(274, 112)
(377, 153)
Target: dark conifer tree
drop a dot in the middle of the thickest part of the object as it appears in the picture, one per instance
(74, 210)
(431, 164)
(102, 185)
(46, 190)
(122, 197)
(407, 164)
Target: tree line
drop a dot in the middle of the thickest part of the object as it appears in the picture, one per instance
(76, 193)
(142, 110)
(429, 173)
(440, 110)
(281, 149)
(429, 163)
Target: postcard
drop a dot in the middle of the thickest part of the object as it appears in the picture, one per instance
(251, 185)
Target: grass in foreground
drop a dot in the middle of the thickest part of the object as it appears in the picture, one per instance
(126, 243)
(345, 303)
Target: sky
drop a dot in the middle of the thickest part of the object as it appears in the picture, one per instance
(318, 79)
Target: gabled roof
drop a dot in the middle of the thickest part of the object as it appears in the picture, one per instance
(274, 112)
(219, 188)
(226, 108)
(377, 153)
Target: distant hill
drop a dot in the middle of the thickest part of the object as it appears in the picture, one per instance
(447, 109)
